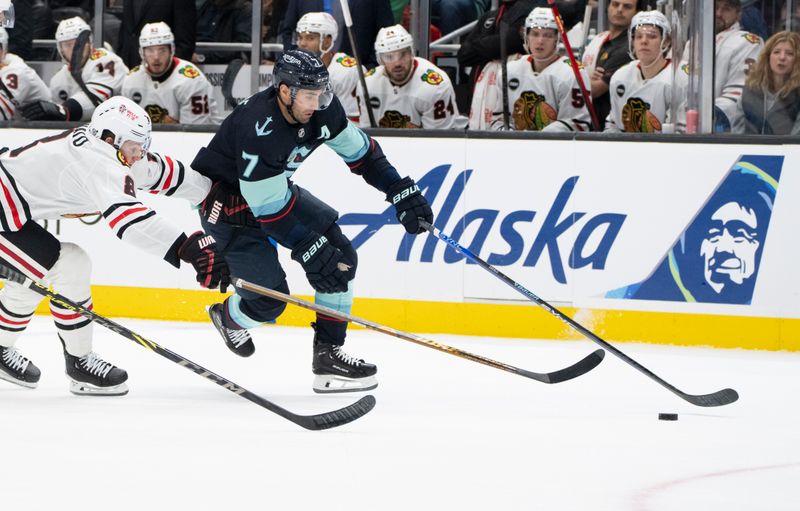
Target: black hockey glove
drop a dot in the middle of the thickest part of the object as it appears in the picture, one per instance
(220, 205)
(410, 204)
(200, 250)
(326, 267)
(44, 111)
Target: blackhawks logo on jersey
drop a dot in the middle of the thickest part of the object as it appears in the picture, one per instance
(96, 54)
(569, 63)
(532, 113)
(189, 71)
(370, 72)
(637, 118)
(157, 113)
(346, 61)
(432, 77)
(751, 38)
(394, 119)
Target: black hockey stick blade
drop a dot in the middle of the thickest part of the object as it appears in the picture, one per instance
(319, 421)
(76, 65)
(573, 371)
(719, 398)
(228, 78)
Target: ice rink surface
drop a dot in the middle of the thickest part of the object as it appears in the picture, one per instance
(446, 433)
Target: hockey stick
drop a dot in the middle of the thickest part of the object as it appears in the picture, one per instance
(719, 398)
(231, 72)
(312, 422)
(348, 21)
(587, 98)
(76, 65)
(568, 373)
(504, 70)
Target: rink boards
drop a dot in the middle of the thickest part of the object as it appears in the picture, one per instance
(681, 243)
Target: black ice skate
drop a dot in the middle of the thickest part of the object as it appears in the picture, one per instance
(336, 371)
(90, 375)
(17, 369)
(238, 341)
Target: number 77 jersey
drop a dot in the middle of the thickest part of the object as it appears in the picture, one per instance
(425, 100)
(182, 94)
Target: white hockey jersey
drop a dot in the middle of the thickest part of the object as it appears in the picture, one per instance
(736, 51)
(21, 85)
(73, 174)
(547, 101)
(639, 105)
(184, 95)
(426, 100)
(591, 53)
(344, 79)
(103, 74)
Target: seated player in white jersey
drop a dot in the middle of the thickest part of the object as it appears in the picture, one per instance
(407, 91)
(543, 93)
(642, 90)
(92, 169)
(317, 32)
(19, 83)
(170, 90)
(102, 74)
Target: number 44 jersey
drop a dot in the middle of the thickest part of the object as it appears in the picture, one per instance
(182, 94)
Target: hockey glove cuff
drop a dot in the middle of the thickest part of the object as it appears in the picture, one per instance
(326, 267)
(220, 205)
(200, 250)
(45, 111)
(411, 206)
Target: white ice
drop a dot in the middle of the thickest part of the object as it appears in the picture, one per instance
(446, 433)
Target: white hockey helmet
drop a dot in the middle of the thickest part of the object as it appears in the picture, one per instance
(653, 18)
(122, 118)
(320, 23)
(69, 29)
(391, 39)
(3, 40)
(6, 14)
(156, 34)
(541, 17)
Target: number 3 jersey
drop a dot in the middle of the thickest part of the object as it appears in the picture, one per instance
(182, 93)
(20, 85)
(550, 100)
(426, 100)
(102, 74)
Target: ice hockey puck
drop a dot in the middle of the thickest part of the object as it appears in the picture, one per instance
(667, 416)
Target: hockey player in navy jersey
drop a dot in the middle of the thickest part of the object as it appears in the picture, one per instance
(251, 159)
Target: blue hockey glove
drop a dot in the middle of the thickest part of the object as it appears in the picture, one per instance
(326, 267)
(411, 206)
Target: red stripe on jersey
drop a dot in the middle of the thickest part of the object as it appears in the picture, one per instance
(21, 261)
(171, 172)
(7, 321)
(291, 205)
(12, 205)
(125, 214)
(103, 93)
(64, 317)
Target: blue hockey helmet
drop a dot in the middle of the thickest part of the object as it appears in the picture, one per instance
(299, 69)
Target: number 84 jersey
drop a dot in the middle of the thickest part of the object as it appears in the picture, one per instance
(182, 94)
(425, 100)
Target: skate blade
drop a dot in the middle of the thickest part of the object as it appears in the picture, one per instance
(331, 384)
(80, 388)
(21, 383)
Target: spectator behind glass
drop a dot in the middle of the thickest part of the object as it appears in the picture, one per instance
(607, 52)
(369, 16)
(224, 21)
(449, 15)
(181, 15)
(770, 103)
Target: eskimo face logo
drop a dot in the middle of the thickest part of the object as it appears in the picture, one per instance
(730, 247)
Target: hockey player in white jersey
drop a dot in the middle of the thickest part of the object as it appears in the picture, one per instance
(543, 94)
(735, 52)
(317, 32)
(19, 83)
(407, 91)
(102, 73)
(92, 169)
(642, 90)
(171, 90)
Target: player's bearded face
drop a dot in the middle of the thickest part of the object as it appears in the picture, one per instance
(398, 64)
(647, 44)
(157, 58)
(725, 15)
(306, 102)
(620, 12)
(309, 41)
(542, 42)
(67, 47)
